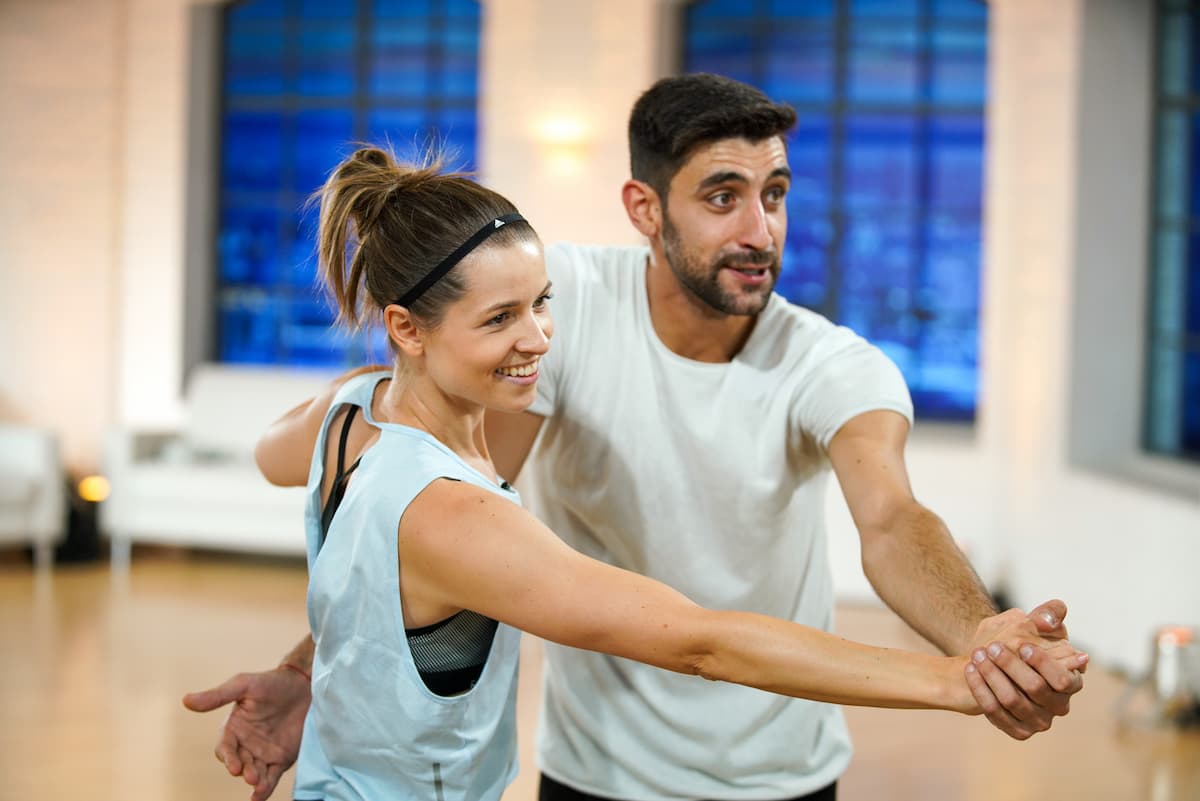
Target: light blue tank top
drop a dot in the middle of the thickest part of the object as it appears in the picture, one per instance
(375, 731)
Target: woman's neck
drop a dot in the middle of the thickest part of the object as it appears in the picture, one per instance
(417, 402)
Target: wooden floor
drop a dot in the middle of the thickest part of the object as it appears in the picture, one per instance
(92, 668)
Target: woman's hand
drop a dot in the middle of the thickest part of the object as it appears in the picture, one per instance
(1021, 670)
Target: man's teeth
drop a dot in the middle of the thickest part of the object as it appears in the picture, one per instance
(519, 372)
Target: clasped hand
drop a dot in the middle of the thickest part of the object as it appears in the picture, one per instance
(1022, 671)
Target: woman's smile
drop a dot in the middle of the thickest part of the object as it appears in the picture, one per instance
(522, 373)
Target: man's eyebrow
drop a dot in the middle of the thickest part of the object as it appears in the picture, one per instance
(731, 177)
(726, 177)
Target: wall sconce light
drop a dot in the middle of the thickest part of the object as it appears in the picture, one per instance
(564, 141)
(93, 489)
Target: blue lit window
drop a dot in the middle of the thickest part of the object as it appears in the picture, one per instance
(302, 82)
(887, 158)
(1173, 385)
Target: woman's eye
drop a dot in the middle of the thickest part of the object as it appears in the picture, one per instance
(540, 303)
(498, 319)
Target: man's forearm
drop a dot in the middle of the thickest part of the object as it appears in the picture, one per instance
(918, 571)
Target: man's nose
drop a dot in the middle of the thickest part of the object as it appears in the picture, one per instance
(755, 231)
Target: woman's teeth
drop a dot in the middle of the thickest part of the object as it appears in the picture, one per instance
(519, 372)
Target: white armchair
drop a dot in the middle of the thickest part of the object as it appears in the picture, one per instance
(199, 487)
(33, 507)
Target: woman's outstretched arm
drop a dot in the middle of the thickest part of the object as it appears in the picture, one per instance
(464, 547)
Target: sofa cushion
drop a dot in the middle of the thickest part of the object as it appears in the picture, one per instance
(16, 489)
(228, 407)
(207, 505)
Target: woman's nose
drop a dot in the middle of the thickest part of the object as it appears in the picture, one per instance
(536, 336)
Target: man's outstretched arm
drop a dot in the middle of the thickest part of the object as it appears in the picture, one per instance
(285, 449)
(914, 565)
(510, 437)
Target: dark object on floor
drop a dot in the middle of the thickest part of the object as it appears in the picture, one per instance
(83, 534)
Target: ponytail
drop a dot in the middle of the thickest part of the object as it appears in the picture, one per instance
(384, 225)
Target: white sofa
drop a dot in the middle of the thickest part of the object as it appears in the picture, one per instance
(33, 508)
(199, 487)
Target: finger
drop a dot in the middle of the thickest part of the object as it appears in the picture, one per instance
(1062, 677)
(1046, 692)
(1008, 693)
(227, 753)
(266, 784)
(1049, 617)
(1066, 655)
(996, 714)
(224, 693)
(250, 769)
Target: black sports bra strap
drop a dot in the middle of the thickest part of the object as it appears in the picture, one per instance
(338, 490)
(341, 459)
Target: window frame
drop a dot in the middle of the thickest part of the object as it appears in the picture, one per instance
(1109, 341)
(290, 228)
(920, 217)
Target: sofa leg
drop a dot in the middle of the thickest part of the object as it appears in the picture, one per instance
(43, 556)
(121, 550)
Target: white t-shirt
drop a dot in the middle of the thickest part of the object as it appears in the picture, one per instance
(712, 479)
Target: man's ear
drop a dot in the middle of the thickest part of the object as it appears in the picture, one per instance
(403, 330)
(643, 206)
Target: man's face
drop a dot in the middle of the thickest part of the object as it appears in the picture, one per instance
(725, 223)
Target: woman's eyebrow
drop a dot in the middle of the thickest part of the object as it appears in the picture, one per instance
(504, 304)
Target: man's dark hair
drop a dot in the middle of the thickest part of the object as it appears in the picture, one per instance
(677, 115)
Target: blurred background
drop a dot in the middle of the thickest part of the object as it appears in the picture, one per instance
(1002, 195)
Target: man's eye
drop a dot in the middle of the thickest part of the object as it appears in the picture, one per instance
(721, 199)
(776, 194)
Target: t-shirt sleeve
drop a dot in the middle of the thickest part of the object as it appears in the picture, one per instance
(566, 309)
(848, 377)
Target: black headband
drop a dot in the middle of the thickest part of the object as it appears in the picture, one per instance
(454, 258)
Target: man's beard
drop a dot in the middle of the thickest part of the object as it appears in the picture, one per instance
(703, 281)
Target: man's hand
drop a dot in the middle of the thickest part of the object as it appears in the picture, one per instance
(1023, 671)
(261, 737)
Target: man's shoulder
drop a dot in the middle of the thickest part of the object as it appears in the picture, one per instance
(833, 371)
(798, 338)
(785, 324)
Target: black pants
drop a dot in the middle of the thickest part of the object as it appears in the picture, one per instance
(550, 790)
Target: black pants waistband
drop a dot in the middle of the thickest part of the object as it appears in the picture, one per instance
(551, 790)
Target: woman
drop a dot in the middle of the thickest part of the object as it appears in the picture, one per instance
(423, 565)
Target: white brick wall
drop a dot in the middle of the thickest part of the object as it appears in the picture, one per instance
(60, 214)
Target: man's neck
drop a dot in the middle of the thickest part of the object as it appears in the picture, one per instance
(685, 324)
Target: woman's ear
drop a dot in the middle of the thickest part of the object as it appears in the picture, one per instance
(403, 330)
(643, 207)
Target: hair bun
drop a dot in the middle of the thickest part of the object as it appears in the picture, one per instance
(373, 156)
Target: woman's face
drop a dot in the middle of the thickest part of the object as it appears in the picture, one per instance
(488, 346)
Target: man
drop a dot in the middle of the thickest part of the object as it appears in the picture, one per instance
(688, 420)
